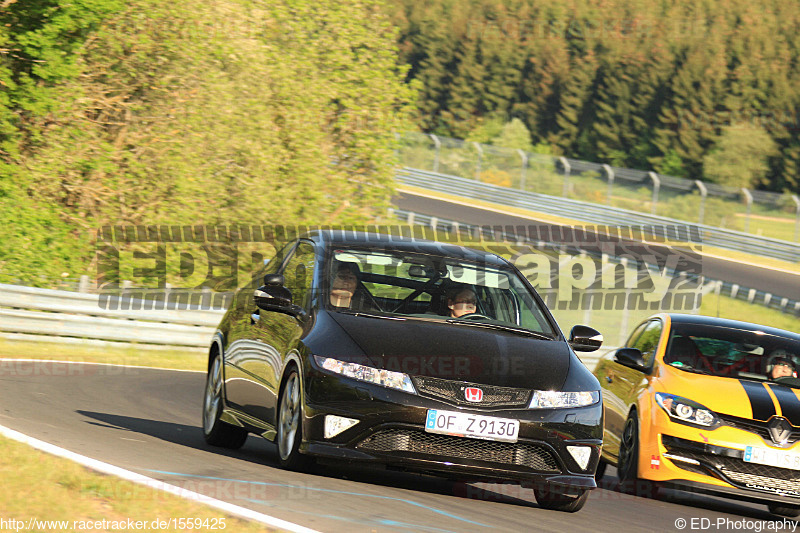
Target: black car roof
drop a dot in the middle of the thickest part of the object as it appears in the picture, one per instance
(380, 241)
(677, 318)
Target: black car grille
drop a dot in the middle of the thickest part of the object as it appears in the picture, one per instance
(453, 392)
(759, 428)
(742, 474)
(532, 456)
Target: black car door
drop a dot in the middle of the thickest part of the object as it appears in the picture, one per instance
(242, 390)
(272, 334)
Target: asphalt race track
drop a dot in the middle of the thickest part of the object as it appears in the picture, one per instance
(148, 421)
(783, 284)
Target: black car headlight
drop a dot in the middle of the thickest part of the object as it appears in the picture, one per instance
(377, 376)
(684, 410)
(548, 399)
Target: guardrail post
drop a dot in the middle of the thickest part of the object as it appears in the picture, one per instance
(83, 284)
(565, 164)
(437, 145)
(524, 157)
(610, 177)
(478, 165)
(703, 194)
(748, 198)
(656, 186)
(797, 217)
(397, 147)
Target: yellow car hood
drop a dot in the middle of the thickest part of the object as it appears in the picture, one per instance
(734, 396)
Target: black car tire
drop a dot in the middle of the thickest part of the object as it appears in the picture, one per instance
(556, 500)
(215, 431)
(790, 511)
(601, 470)
(290, 424)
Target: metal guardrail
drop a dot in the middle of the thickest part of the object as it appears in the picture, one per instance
(690, 200)
(725, 288)
(32, 314)
(46, 314)
(593, 213)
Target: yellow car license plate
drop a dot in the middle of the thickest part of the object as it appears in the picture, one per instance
(767, 456)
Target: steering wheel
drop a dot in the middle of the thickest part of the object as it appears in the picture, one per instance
(473, 316)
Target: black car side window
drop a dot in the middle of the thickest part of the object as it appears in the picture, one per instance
(298, 274)
(647, 342)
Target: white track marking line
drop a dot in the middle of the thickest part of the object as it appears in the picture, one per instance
(127, 475)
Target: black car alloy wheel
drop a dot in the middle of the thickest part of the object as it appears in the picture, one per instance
(215, 431)
(290, 427)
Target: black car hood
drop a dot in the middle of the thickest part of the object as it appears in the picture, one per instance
(458, 352)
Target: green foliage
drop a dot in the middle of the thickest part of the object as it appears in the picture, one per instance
(495, 131)
(741, 157)
(228, 112)
(514, 135)
(633, 83)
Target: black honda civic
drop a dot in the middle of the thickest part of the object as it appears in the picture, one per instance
(414, 354)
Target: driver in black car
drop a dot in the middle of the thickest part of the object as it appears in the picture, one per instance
(347, 292)
(463, 302)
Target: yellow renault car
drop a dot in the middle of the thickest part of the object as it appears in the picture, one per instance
(708, 405)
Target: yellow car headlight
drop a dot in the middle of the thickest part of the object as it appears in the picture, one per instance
(686, 411)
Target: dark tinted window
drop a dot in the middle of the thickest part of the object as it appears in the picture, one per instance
(299, 274)
(730, 352)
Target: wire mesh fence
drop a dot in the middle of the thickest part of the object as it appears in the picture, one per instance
(762, 213)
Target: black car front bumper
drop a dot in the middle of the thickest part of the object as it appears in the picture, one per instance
(391, 431)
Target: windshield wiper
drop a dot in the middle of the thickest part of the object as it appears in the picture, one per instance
(520, 331)
(369, 315)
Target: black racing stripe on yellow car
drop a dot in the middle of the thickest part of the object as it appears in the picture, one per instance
(790, 405)
(760, 400)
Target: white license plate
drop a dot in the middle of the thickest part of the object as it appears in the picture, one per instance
(469, 425)
(766, 456)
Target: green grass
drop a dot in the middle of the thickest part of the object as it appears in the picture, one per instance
(179, 359)
(40, 486)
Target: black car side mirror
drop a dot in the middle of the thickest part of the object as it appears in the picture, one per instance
(585, 339)
(273, 298)
(630, 357)
(277, 298)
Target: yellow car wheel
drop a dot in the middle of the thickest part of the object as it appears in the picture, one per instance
(627, 463)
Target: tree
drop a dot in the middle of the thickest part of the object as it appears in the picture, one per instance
(741, 157)
(228, 112)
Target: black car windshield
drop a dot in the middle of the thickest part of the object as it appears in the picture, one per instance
(734, 353)
(429, 287)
